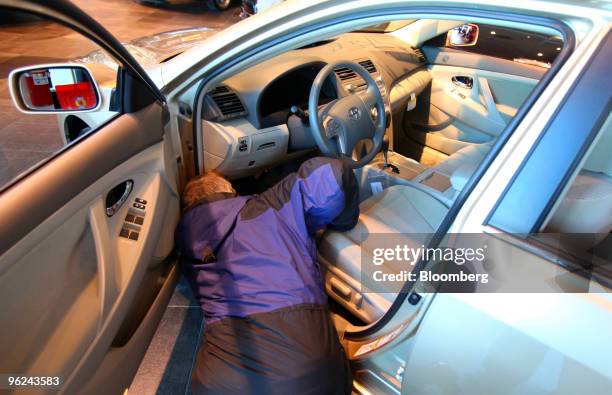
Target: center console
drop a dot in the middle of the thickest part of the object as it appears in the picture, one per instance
(375, 177)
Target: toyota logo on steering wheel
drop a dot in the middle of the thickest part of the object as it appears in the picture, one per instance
(354, 113)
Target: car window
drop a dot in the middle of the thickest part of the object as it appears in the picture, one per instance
(567, 177)
(511, 44)
(577, 231)
(27, 139)
(581, 222)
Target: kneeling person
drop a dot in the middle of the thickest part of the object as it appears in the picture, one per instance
(251, 261)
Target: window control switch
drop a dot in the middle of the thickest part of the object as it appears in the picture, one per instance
(133, 235)
(138, 220)
(129, 218)
(124, 233)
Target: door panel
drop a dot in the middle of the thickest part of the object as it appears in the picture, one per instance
(75, 286)
(450, 115)
(488, 105)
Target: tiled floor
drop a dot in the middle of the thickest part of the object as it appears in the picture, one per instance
(166, 368)
(27, 139)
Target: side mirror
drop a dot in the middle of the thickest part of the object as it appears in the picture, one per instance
(54, 89)
(462, 36)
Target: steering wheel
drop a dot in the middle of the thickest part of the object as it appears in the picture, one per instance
(338, 126)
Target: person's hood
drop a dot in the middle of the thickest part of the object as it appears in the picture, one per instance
(154, 49)
(205, 226)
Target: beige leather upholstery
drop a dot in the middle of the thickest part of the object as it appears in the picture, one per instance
(398, 209)
(468, 157)
(460, 166)
(586, 208)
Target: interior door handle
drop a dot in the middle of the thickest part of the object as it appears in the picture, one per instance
(463, 81)
(117, 196)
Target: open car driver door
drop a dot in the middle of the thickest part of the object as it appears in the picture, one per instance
(86, 236)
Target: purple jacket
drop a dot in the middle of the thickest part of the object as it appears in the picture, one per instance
(264, 244)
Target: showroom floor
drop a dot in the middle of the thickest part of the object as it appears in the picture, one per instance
(127, 19)
(27, 139)
(166, 367)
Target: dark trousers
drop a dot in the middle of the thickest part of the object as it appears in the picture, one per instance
(292, 350)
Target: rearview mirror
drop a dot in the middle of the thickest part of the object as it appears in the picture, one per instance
(462, 36)
(54, 89)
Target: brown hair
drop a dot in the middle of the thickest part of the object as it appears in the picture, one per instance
(207, 188)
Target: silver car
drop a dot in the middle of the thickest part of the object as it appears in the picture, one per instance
(480, 128)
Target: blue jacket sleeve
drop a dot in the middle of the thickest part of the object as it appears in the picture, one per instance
(329, 193)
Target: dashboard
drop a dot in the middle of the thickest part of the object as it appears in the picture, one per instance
(292, 88)
(247, 119)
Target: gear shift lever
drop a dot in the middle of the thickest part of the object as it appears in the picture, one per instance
(385, 152)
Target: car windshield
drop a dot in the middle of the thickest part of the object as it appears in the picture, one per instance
(387, 27)
(156, 48)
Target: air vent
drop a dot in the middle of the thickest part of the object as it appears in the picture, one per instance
(345, 74)
(419, 54)
(220, 89)
(228, 102)
(368, 65)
